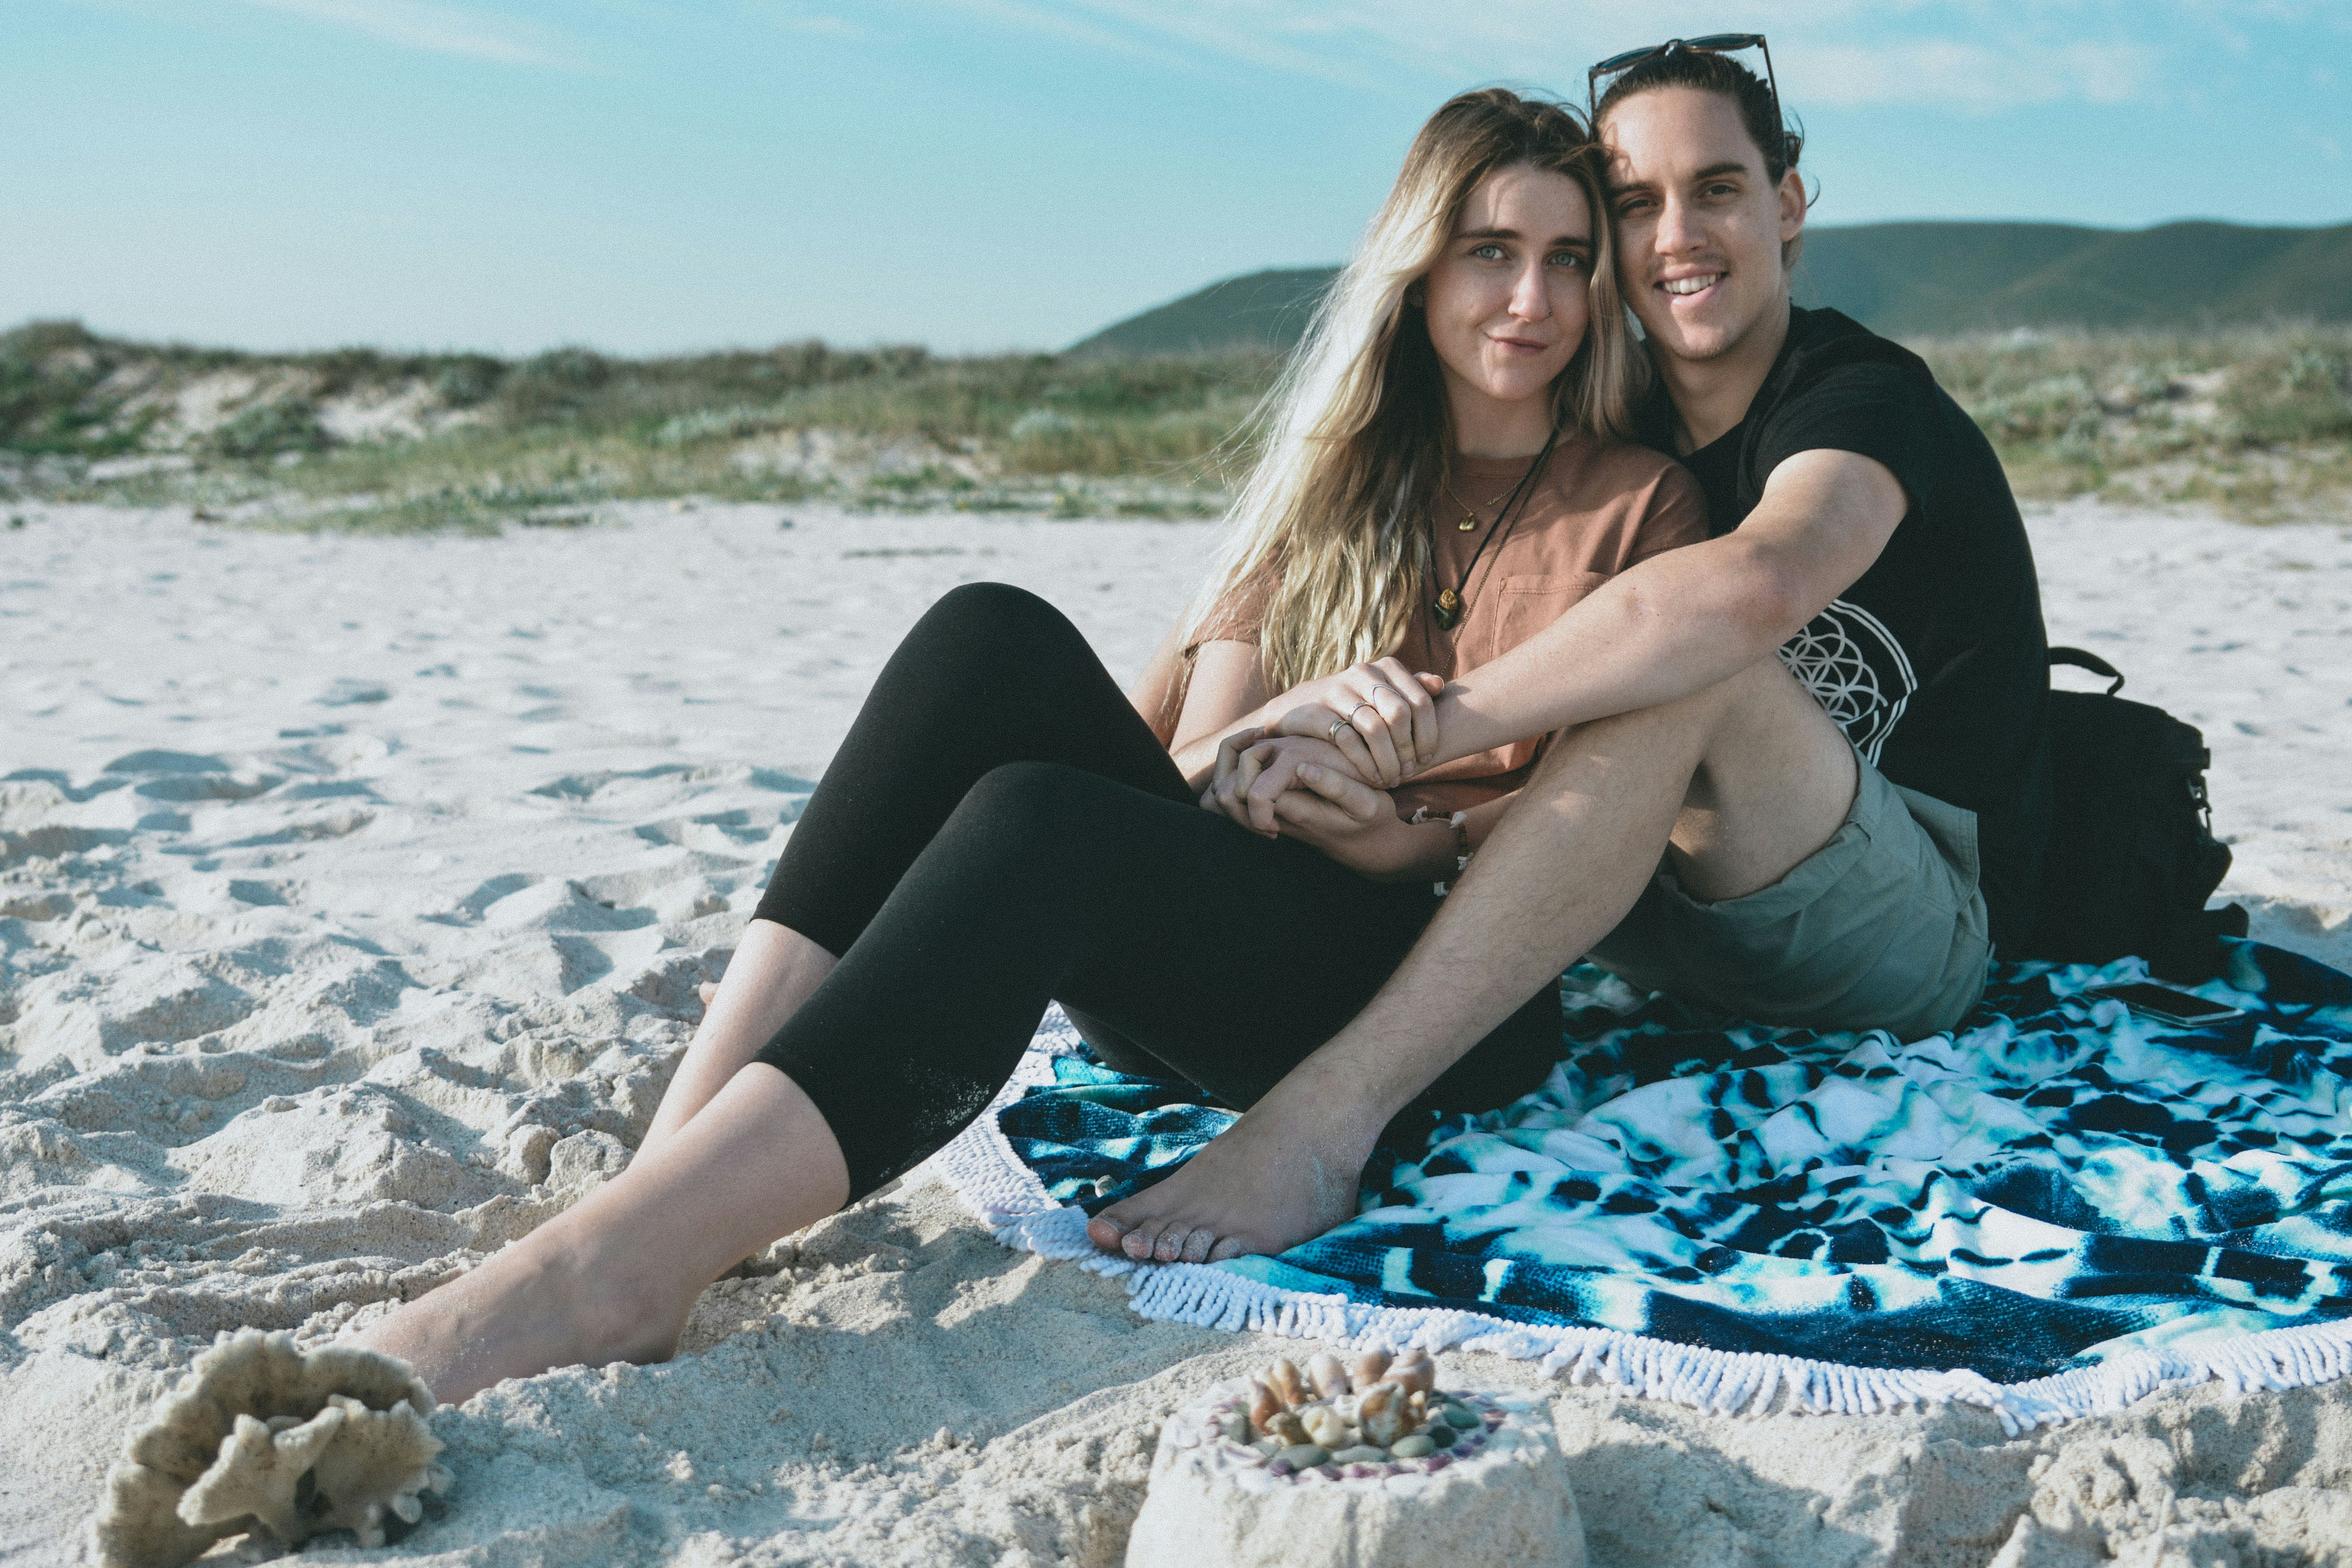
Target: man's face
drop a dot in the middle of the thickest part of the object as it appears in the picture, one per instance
(1699, 227)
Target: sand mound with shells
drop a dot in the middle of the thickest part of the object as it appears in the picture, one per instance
(1360, 1464)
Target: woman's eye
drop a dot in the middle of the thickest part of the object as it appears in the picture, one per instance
(1567, 258)
(1488, 252)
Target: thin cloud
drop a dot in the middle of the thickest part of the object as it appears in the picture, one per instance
(1056, 23)
(1186, 39)
(1967, 76)
(1959, 53)
(1374, 42)
(433, 28)
(798, 18)
(826, 26)
(1250, 33)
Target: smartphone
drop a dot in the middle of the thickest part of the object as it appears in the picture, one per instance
(2162, 1002)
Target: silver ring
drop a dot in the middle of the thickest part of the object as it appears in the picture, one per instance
(1332, 734)
(1351, 712)
(1389, 689)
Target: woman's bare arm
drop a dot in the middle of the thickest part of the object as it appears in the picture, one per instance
(1228, 687)
(1191, 711)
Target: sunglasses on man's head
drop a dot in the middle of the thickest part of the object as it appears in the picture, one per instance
(1713, 44)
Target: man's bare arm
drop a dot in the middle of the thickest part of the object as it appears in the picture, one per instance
(1681, 622)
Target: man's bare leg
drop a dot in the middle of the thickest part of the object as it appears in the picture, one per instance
(772, 972)
(615, 1278)
(1739, 784)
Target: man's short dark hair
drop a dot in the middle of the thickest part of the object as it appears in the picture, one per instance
(1715, 73)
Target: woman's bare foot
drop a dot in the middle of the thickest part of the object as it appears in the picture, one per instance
(1277, 1177)
(546, 1301)
(613, 1278)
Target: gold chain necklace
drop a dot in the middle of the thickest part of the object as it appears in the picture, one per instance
(1470, 513)
(1448, 606)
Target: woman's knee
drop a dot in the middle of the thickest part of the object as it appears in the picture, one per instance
(993, 619)
(1049, 825)
(1034, 802)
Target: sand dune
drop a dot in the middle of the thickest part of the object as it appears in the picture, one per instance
(353, 895)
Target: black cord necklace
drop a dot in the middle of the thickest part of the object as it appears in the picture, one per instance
(1449, 606)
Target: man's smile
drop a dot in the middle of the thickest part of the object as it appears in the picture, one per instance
(1691, 284)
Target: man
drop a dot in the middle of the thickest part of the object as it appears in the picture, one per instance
(1840, 835)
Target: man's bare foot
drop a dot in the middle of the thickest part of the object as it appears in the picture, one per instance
(541, 1303)
(1271, 1180)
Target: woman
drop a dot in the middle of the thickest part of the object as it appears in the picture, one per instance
(1445, 474)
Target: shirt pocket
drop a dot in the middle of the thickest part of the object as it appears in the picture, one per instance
(1527, 603)
(1508, 614)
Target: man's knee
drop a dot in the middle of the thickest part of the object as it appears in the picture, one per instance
(1771, 737)
(1766, 697)
(1680, 735)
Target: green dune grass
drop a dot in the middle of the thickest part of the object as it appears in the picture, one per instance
(2254, 420)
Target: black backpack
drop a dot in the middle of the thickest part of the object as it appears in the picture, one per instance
(2132, 857)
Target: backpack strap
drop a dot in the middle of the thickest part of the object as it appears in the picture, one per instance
(2090, 661)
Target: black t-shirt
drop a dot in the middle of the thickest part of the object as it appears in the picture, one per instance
(1934, 662)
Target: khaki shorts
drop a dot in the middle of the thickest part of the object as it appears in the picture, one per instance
(1881, 928)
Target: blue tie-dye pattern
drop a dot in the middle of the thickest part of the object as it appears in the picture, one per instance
(2057, 1182)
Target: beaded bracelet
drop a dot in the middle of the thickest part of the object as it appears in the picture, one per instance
(1459, 823)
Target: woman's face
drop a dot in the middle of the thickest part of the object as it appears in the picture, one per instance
(1507, 301)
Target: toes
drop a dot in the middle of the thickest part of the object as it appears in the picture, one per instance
(1235, 1247)
(1169, 1244)
(1111, 1227)
(1197, 1245)
(1138, 1243)
(1130, 1212)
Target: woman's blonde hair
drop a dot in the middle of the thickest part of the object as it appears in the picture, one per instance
(1357, 431)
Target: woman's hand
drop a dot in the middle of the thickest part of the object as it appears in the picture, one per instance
(1357, 825)
(1252, 772)
(1380, 717)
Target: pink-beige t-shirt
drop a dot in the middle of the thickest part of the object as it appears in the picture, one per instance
(1595, 511)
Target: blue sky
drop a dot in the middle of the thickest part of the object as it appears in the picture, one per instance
(644, 176)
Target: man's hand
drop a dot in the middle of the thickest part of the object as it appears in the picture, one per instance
(1381, 717)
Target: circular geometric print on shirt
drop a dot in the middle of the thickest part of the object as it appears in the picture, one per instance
(1855, 670)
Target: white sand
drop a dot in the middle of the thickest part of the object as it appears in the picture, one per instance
(352, 894)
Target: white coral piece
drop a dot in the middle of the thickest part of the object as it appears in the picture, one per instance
(383, 1459)
(263, 1434)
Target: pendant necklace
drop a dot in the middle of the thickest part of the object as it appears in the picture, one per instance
(1449, 606)
(1469, 513)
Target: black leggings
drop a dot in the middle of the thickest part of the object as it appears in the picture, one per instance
(1001, 830)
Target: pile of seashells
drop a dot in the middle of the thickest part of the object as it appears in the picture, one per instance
(1380, 1417)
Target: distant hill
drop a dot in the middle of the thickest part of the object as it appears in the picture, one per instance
(1906, 280)
(1912, 279)
(1261, 311)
